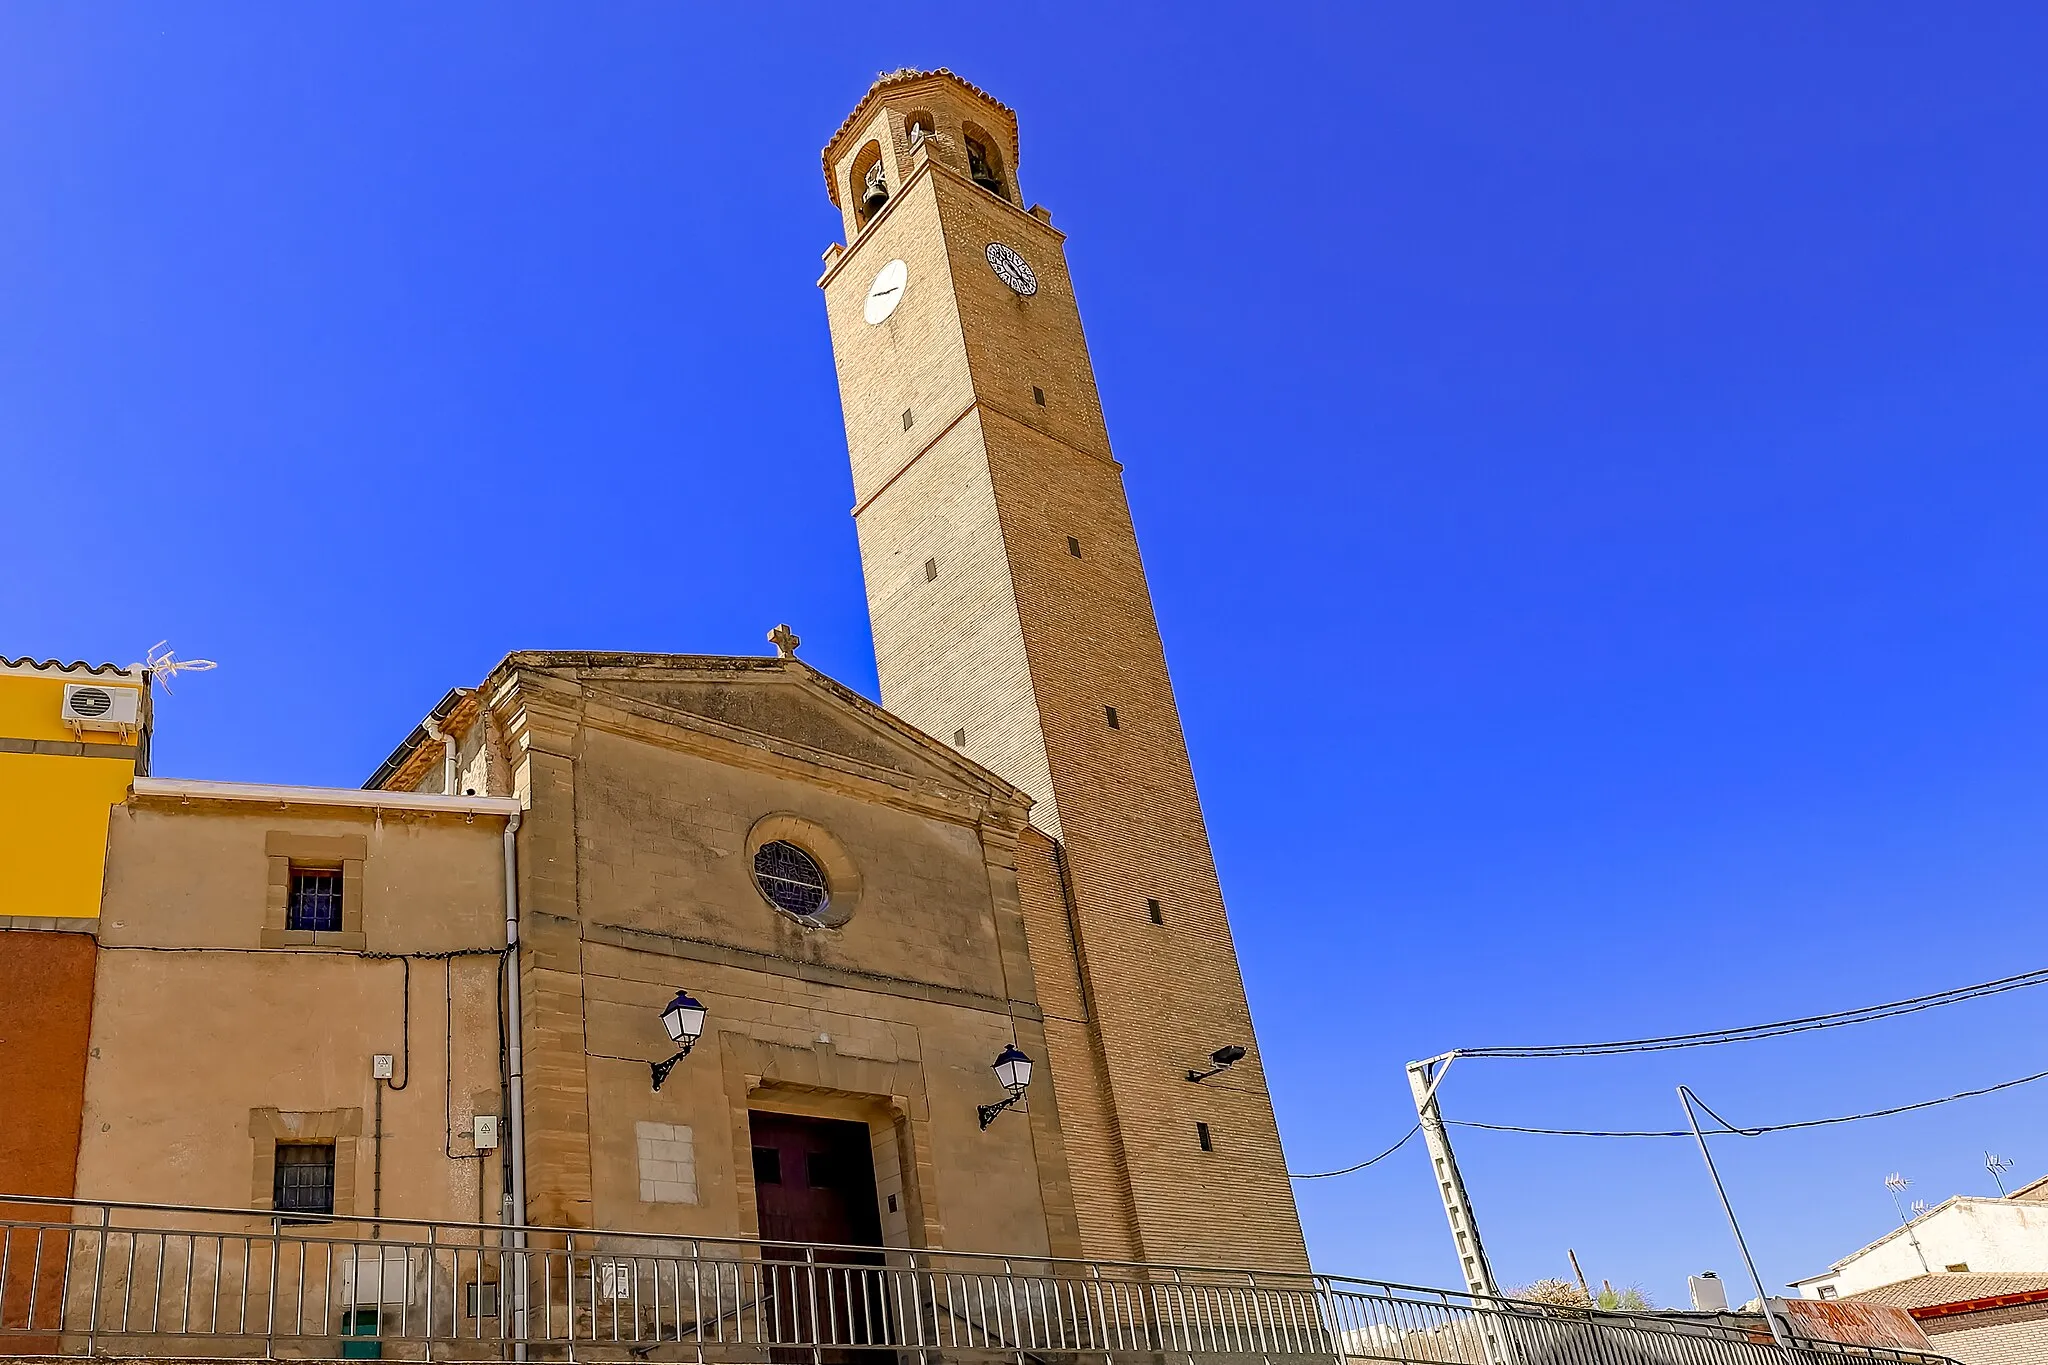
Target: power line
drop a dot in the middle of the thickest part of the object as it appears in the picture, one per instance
(1325, 1175)
(1739, 1131)
(1715, 1037)
(1751, 1032)
(1726, 1127)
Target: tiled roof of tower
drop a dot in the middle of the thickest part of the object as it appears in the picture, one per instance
(904, 75)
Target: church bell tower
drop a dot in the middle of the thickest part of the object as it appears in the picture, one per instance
(1012, 618)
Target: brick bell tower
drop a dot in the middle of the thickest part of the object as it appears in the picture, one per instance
(1011, 617)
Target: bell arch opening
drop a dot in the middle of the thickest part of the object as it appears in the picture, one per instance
(985, 161)
(868, 183)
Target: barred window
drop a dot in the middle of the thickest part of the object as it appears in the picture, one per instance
(791, 878)
(315, 902)
(304, 1182)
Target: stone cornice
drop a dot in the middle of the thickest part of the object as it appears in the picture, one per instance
(748, 959)
(928, 167)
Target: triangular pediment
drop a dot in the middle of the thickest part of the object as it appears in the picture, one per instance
(777, 708)
(780, 704)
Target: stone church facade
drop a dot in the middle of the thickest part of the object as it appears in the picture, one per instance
(870, 902)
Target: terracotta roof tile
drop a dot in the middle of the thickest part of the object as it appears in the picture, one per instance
(905, 75)
(58, 666)
(1925, 1291)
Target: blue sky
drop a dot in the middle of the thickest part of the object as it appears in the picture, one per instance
(1588, 457)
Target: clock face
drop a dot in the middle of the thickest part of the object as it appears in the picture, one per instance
(1012, 269)
(886, 292)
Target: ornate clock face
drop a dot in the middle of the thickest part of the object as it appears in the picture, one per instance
(886, 292)
(1012, 269)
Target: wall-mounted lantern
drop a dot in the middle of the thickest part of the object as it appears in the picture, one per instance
(1013, 1069)
(684, 1020)
(1224, 1059)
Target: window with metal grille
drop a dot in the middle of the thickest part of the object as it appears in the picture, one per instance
(315, 901)
(791, 878)
(304, 1182)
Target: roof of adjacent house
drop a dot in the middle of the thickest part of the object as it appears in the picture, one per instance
(1938, 1290)
(1953, 1201)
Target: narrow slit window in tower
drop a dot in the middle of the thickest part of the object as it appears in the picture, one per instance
(1038, 395)
(1074, 547)
(931, 570)
(1109, 714)
(1202, 1136)
(1153, 911)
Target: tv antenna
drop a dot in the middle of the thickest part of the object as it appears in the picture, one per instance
(1897, 1184)
(1998, 1166)
(163, 665)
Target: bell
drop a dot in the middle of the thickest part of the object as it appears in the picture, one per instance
(874, 191)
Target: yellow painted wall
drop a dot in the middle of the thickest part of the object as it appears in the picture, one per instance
(53, 806)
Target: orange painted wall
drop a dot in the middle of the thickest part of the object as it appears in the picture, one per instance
(45, 1018)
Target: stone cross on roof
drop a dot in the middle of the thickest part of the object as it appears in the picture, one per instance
(785, 640)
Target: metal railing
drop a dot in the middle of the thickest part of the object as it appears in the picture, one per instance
(159, 1280)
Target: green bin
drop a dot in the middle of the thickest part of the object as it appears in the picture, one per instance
(355, 1324)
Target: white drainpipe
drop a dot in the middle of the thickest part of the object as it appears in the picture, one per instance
(515, 1076)
(448, 764)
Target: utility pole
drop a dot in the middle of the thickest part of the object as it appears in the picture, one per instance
(1763, 1296)
(1423, 1079)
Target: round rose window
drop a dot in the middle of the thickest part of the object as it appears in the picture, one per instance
(791, 878)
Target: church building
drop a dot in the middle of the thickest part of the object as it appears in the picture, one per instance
(715, 946)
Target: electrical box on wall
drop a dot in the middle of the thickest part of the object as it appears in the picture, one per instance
(486, 1132)
(380, 1067)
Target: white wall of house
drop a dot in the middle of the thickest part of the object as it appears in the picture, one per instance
(1980, 1235)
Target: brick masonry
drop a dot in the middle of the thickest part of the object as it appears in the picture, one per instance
(2015, 1335)
(1018, 646)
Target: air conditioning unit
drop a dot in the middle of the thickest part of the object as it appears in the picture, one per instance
(98, 706)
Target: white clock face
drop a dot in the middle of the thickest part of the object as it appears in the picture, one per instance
(886, 292)
(1012, 269)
